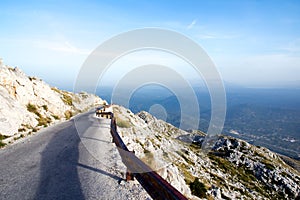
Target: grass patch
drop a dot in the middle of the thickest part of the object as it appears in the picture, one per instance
(185, 158)
(32, 108)
(123, 123)
(67, 99)
(241, 174)
(245, 176)
(68, 114)
(198, 188)
(188, 177)
(56, 90)
(44, 121)
(268, 165)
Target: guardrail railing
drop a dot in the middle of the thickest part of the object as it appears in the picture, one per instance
(153, 183)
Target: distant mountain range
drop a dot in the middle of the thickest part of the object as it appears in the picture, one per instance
(265, 117)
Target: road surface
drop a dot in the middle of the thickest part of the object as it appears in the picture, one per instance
(72, 160)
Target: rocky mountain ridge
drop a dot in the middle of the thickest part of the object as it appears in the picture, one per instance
(233, 168)
(28, 104)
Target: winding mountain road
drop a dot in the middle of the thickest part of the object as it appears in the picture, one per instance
(71, 160)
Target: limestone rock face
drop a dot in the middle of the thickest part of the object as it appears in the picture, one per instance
(232, 169)
(28, 103)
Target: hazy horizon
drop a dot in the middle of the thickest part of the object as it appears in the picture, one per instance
(252, 43)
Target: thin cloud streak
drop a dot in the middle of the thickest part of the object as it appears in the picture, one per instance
(65, 47)
(191, 25)
(217, 36)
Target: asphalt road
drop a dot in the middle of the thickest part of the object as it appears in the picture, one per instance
(72, 160)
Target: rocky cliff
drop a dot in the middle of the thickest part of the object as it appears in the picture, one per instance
(28, 104)
(233, 169)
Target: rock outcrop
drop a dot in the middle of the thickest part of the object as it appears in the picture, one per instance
(28, 104)
(233, 169)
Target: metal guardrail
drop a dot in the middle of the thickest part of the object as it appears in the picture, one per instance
(153, 183)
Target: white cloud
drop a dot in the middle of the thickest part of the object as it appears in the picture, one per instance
(216, 36)
(191, 25)
(65, 47)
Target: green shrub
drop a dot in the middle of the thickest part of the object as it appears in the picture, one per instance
(44, 121)
(2, 137)
(2, 144)
(198, 189)
(55, 117)
(68, 114)
(45, 107)
(35, 129)
(32, 108)
(56, 90)
(31, 78)
(146, 151)
(67, 99)
(21, 130)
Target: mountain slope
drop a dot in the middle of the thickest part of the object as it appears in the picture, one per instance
(233, 169)
(28, 104)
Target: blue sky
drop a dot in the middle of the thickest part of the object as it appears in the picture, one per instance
(252, 43)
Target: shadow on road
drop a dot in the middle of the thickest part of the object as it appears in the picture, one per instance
(101, 171)
(90, 138)
(60, 161)
(58, 175)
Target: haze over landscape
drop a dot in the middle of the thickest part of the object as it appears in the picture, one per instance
(253, 43)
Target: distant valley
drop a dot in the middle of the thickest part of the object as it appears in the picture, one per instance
(263, 117)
